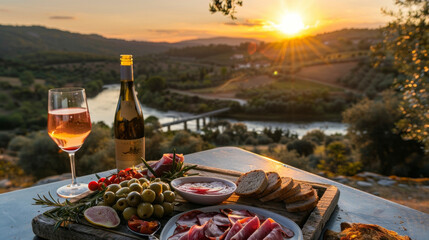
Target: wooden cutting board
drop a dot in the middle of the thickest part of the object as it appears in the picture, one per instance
(311, 222)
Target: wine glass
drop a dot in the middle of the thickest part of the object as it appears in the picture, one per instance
(69, 124)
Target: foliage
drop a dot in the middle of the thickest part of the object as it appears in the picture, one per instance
(316, 135)
(155, 84)
(337, 162)
(185, 143)
(407, 39)
(26, 78)
(302, 147)
(226, 7)
(371, 129)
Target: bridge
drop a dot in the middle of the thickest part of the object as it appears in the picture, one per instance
(202, 116)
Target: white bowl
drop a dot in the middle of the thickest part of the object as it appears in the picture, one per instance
(203, 199)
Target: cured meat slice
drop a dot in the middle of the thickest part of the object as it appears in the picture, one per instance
(242, 212)
(221, 220)
(286, 232)
(197, 232)
(179, 236)
(233, 230)
(212, 231)
(205, 217)
(263, 230)
(181, 228)
(275, 234)
(247, 230)
(188, 219)
(164, 164)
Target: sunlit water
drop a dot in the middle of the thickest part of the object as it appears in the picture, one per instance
(103, 107)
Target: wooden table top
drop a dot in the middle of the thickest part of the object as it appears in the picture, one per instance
(354, 205)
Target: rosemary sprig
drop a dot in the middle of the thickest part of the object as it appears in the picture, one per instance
(65, 212)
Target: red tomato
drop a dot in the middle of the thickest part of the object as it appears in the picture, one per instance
(101, 186)
(112, 178)
(93, 186)
(101, 179)
(138, 175)
(121, 173)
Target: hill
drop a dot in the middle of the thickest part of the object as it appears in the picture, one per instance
(22, 40)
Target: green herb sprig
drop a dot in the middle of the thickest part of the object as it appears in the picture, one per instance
(177, 170)
(67, 211)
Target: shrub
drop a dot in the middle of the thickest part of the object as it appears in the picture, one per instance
(336, 161)
(302, 147)
(317, 136)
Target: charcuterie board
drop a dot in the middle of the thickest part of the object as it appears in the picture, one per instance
(311, 222)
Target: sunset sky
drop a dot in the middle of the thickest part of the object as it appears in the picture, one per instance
(176, 20)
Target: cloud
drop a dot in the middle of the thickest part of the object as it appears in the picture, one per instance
(62, 17)
(247, 23)
(177, 31)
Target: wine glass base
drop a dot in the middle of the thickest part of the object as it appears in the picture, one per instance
(71, 191)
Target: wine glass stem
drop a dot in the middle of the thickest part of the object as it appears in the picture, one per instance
(73, 169)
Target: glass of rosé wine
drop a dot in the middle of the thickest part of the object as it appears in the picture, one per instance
(69, 124)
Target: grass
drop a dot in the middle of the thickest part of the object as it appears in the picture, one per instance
(300, 84)
(17, 83)
(327, 73)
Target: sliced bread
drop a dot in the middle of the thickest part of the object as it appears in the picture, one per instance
(274, 182)
(305, 192)
(251, 183)
(286, 185)
(301, 206)
(293, 190)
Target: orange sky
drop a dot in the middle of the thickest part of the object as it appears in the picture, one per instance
(171, 21)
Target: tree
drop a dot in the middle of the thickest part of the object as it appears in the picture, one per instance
(26, 78)
(371, 129)
(155, 84)
(407, 40)
(226, 7)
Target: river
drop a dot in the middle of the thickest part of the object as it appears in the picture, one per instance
(103, 107)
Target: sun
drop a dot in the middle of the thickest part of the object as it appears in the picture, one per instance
(291, 24)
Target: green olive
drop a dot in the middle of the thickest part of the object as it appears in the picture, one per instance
(129, 212)
(165, 186)
(109, 198)
(101, 203)
(169, 196)
(148, 195)
(159, 198)
(121, 204)
(133, 180)
(124, 183)
(134, 199)
(136, 187)
(156, 187)
(158, 211)
(113, 187)
(145, 210)
(157, 180)
(143, 180)
(168, 208)
(123, 192)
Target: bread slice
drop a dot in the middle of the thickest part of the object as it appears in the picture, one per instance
(251, 183)
(286, 185)
(274, 182)
(305, 192)
(304, 205)
(293, 190)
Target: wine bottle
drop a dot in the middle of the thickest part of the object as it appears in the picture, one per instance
(129, 122)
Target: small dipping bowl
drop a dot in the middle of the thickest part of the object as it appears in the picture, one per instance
(203, 199)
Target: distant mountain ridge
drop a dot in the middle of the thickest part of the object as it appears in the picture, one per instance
(23, 40)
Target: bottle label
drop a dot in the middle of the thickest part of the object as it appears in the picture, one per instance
(129, 152)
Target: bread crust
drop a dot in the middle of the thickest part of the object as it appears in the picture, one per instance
(258, 189)
(304, 205)
(270, 187)
(287, 184)
(305, 192)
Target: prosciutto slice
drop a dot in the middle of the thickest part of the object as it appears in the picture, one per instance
(164, 164)
(205, 217)
(212, 231)
(263, 230)
(247, 230)
(189, 219)
(197, 232)
(179, 236)
(221, 220)
(275, 234)
(233, 230)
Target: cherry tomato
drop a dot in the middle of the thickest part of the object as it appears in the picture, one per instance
(121, 173)
(101, 186)
(101, 179)
(107, 182)
(93, 186)
(112, 178)
(138, 175)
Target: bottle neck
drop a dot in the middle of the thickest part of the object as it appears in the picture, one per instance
(127, 73)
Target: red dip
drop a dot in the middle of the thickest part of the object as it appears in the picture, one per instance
(205, 188)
